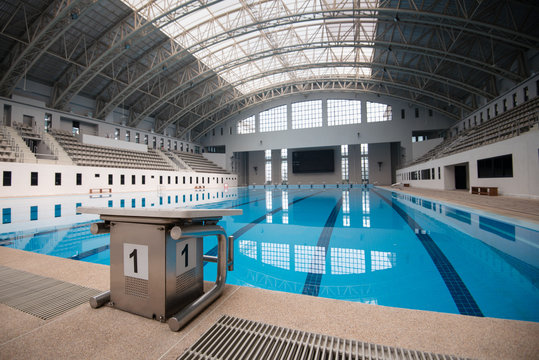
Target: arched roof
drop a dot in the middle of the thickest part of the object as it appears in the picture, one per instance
(196, 63)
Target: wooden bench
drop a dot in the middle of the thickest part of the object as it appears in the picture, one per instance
(485, 190)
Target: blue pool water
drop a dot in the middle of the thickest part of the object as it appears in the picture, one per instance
(367, 245)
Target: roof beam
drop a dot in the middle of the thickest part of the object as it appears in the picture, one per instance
(41, 34)
(365, 83)
(268, 95)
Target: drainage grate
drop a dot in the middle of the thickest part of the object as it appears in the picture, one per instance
(40, 296)
(234, 338)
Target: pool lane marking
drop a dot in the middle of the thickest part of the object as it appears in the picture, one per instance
(213, 251)
(85, 254)
(459, 292)
(313, 280)
(244, 229)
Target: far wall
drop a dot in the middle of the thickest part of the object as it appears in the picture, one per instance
(525, 152)
(378, 174)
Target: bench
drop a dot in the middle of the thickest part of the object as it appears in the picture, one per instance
(485, 190)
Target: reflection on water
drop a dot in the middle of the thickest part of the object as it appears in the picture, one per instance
(371, 254)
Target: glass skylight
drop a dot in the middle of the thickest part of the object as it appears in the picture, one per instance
(259, 44)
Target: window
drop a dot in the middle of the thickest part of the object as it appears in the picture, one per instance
(221, 131)
(79, 179)
(76, 128)
(184, 179)
(344, 112)
(495, 109)
(284, 165)
(403, 114)
(168, 144)
(146, 139)
(430, 112)
(495, 167)
(488, 114)
(33, 213)
(137, 138)
(116, 134)
(33, 179)
(143, 179)
(122, 179)
(7, 178)
(127, 136)
(110, 179)
(168, 180)
(416, 112)
(246, 126)
(268, 166)
(48, 122)
(364, 163)
(176, 180)
(526, 94)
(154, 142)
(57, 179)
(133, 179)
(504, 105)
(344, 162)
(161, 179)
(6, 215)
(58, 210)
(307, 114)
(515, 103)
(378, 112)
(161, 143)
(273, 119)
(175, 146)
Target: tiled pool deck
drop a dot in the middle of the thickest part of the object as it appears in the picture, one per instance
(85, 333)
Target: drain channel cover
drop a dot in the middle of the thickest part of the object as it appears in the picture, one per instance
(40, 296)
(234, 338)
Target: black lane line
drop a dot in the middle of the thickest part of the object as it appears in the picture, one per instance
(313, 280)
(85, 254)
(243, 230)
(212, 252)
(461, 295)
(76, 226)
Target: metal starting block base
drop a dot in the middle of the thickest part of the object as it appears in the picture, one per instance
(156, 260)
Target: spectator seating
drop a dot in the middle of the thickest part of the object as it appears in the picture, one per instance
(199, 163)
(94, 155)
(6, 150)
(504, 126)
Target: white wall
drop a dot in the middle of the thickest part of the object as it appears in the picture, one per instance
(420, 148)
(397, 130)
(21, 173)
(218, 159)
(380, 174)
(24, 105)
(483, 112)
(525, 151)
(120, 144)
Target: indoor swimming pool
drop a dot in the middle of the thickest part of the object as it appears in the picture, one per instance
(366, 245)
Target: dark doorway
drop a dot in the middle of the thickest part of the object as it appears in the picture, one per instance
(460, 177)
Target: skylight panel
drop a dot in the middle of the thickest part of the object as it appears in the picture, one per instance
(213, 34)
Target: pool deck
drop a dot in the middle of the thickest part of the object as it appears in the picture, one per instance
(86, 333)
(515, 207)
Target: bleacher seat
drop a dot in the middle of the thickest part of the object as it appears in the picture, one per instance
(94, 155)
(502, 127)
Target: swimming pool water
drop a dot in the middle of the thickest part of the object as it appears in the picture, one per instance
(368, 245)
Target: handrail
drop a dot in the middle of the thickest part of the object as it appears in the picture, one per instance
(179, 320)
